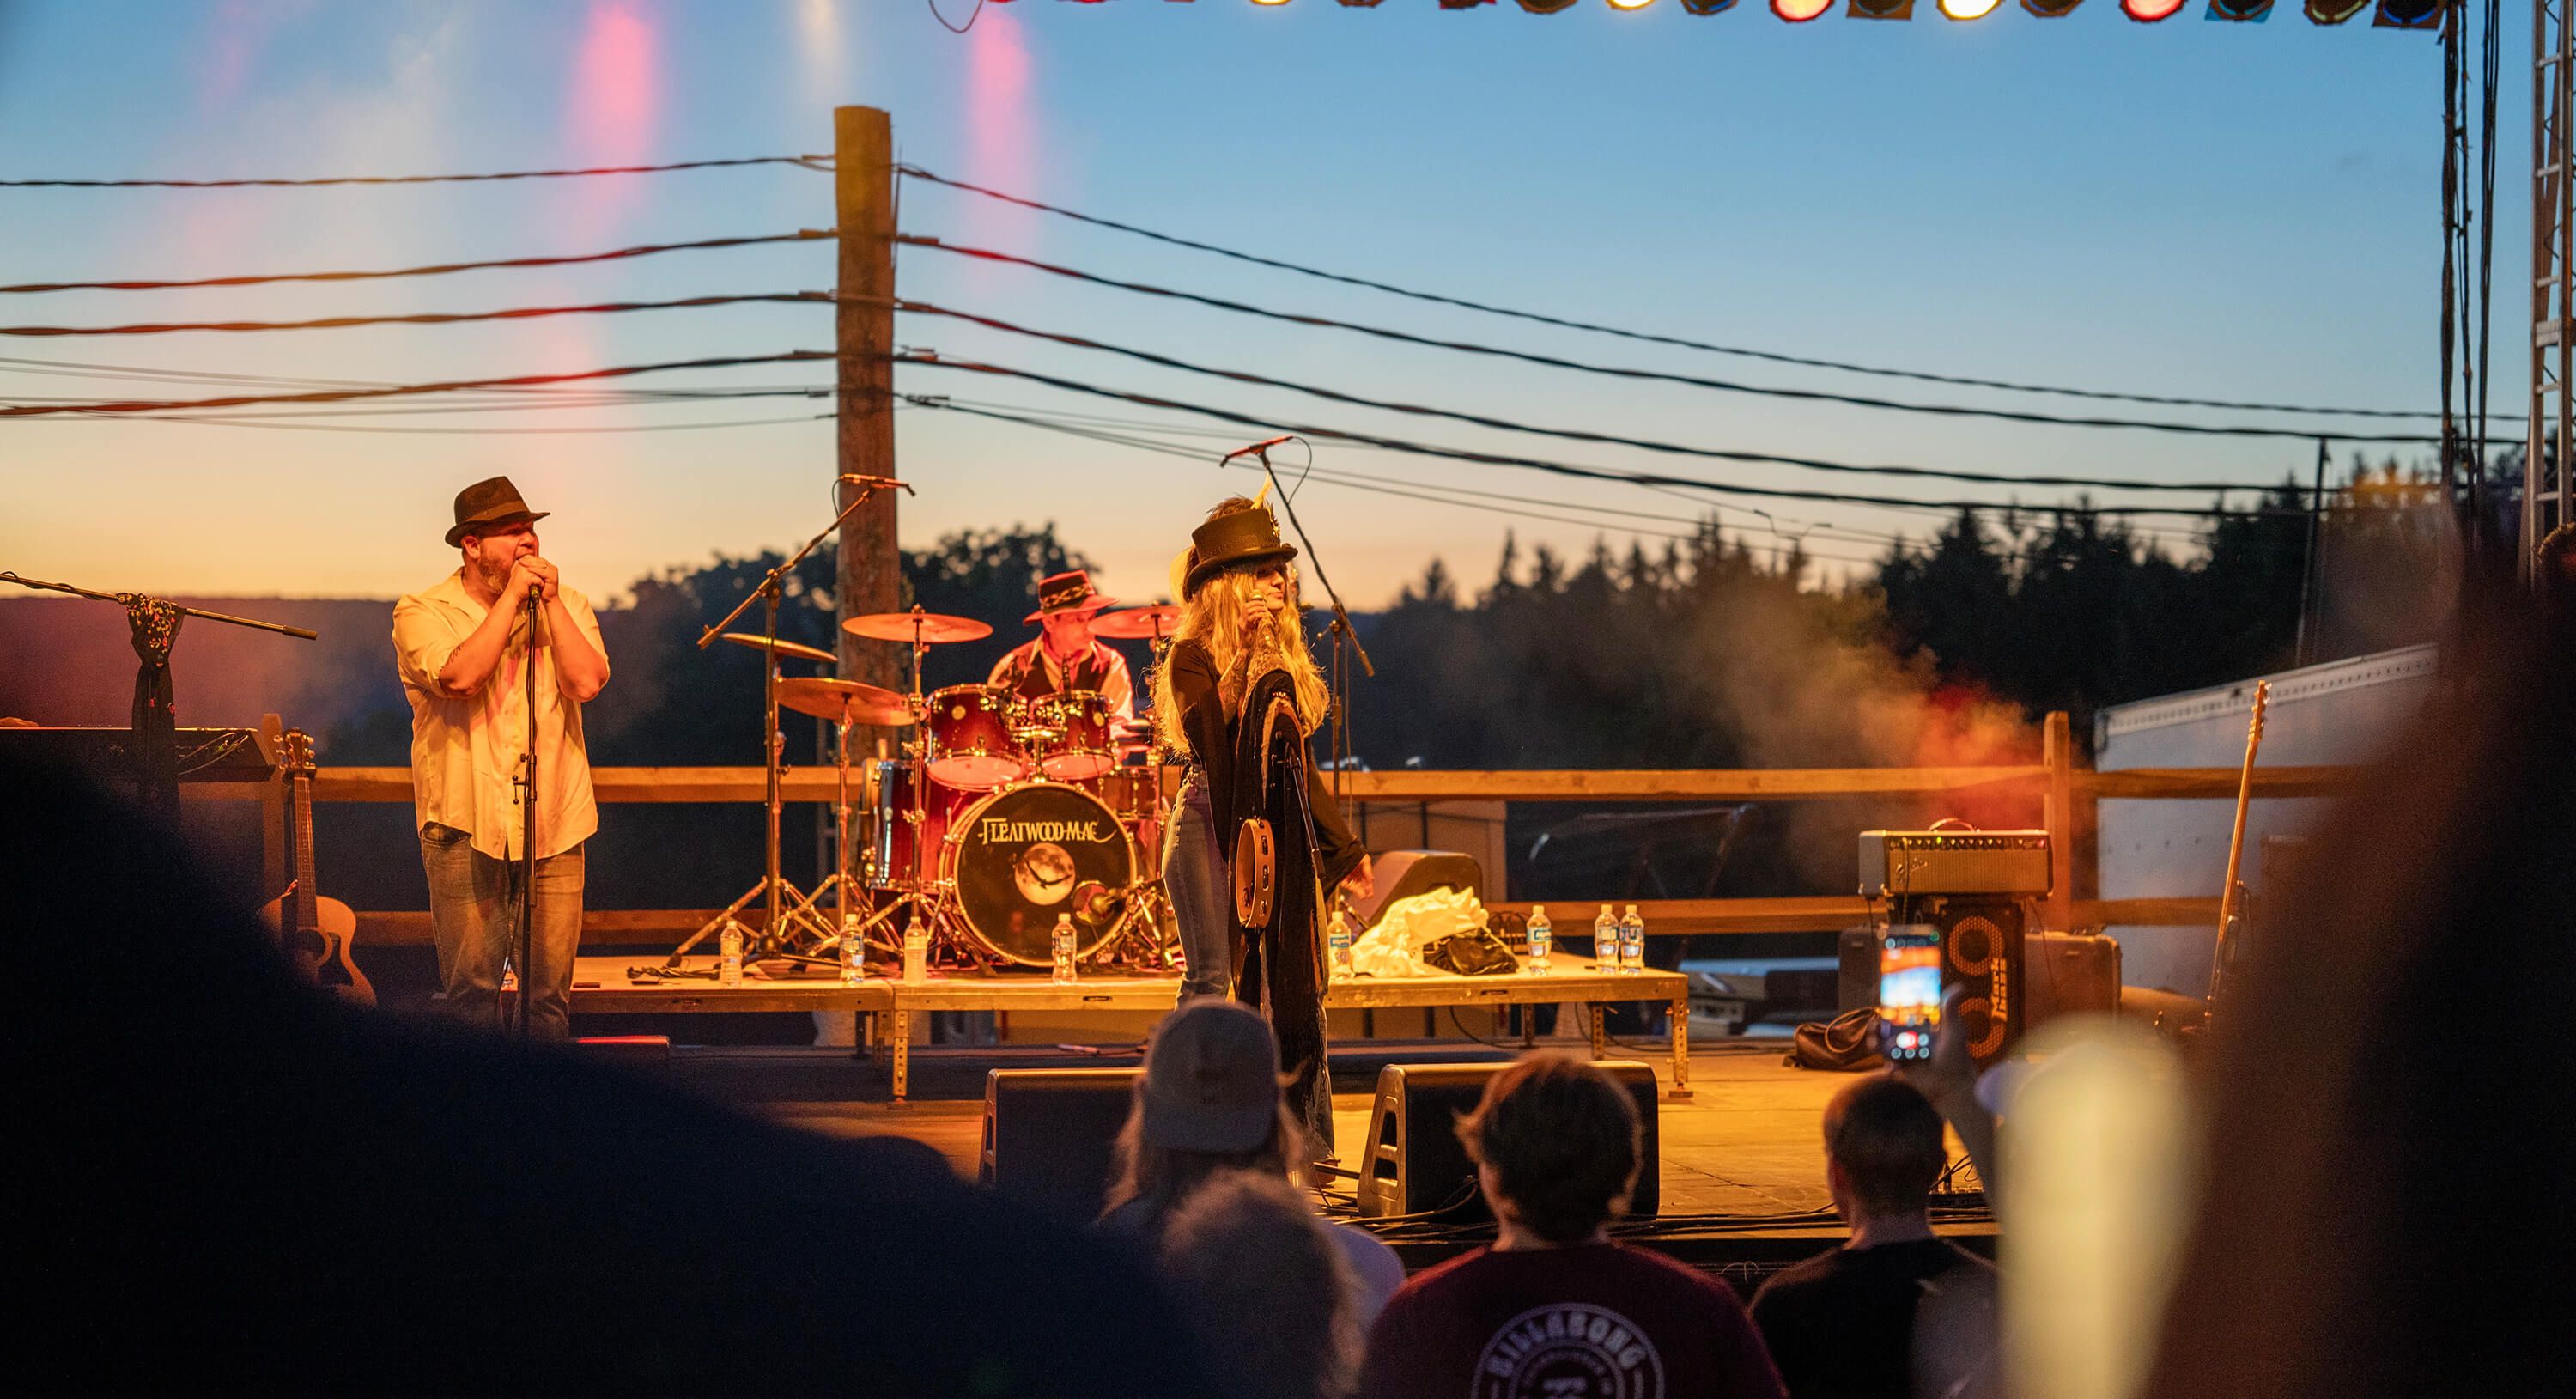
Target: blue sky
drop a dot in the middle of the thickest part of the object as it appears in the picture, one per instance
(2187, 208)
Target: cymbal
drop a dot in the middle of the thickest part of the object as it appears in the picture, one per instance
(784, 649)
(826, 698)
(1137, 623)
(932, 628)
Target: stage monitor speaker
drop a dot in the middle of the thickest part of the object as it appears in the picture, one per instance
(1982, 944)
(1414, 1163)
(1048, 1135)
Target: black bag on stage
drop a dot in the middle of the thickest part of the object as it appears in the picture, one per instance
(1479, 953)
(1848, 1042)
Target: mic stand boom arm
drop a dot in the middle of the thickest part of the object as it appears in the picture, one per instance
(1342, 628)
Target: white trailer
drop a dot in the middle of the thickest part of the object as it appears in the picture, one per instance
(2341, 712)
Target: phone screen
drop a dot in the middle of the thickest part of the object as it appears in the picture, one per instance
(1909, 992)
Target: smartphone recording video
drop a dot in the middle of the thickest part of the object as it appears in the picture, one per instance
(1909, 991)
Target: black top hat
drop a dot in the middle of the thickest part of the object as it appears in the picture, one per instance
(1234, 540)
(486, 504)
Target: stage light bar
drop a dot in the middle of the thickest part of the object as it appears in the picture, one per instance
(2150, 11)
(1880, 9)
(2240, 11)
(2051, 9)
(2335, 11)
(2410, 14)
(1800, 11)
(1969, 9)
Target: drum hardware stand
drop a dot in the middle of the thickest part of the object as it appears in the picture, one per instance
(785, 917)
(916, 890)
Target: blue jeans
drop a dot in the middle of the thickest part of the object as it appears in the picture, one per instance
(470, 907)
(1194, 878)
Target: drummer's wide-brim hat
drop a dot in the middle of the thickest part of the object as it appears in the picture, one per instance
(1069, 593)
(488, 505)
(1241, 539)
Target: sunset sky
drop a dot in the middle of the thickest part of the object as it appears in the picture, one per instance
(2192, 208)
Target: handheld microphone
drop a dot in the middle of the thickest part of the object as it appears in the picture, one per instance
(1261, 446)
(906, 486)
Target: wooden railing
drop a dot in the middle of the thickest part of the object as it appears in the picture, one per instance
(2069, 795)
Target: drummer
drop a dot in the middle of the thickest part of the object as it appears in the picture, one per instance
(1065, 655)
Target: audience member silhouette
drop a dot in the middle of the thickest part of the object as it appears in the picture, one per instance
(222, 1179)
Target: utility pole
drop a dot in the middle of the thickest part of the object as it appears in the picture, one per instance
(871, 572)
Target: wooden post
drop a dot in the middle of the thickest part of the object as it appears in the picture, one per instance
(2057, 754)
(871, 569)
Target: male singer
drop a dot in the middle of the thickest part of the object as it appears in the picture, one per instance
(462, 645)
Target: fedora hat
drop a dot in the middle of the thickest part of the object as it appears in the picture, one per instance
(487, 504)
(1068, 592)
(1237, 539)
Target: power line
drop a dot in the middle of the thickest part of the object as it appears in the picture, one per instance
(405, 390)
(1956, 410)
(262, 422)
(809, 161)
(515, 313)
(1575, 434)
(1264, 424)
(1648, 337)
(431, 270)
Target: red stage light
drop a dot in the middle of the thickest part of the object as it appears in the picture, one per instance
(2150, 11)
(1800, 11)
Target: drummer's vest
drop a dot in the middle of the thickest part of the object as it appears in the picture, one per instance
(1090, 671)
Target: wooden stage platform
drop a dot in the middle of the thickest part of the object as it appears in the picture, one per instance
(624, 986)
(1742, 1159)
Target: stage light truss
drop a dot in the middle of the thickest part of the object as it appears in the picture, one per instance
(2419, 15)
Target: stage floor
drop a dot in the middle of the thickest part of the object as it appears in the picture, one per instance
(1745, 1144)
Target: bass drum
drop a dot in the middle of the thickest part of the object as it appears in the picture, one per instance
(1026, 854)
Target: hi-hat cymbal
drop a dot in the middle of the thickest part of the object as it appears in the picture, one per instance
(785, 649)
(1137, 623)
(826, 698)
(930, 628)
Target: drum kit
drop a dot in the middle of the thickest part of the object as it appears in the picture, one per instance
(1001, 813)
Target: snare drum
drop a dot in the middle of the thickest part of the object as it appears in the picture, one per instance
(1020, 857)
(971, 743)
(1077, 746)
(897, 839)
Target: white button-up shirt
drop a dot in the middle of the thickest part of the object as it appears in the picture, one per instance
(465, 749)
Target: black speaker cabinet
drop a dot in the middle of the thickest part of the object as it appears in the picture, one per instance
(1414, 1164)
(1048, 1134)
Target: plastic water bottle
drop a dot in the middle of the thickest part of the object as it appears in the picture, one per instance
(853, 965)
(729, 954)
(1542, 941)
(1632, 943)
(1063, 940)
(1605, 941)
(916, 950)
(1337, 941)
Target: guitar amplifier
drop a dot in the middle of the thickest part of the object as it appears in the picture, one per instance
(1894, 864)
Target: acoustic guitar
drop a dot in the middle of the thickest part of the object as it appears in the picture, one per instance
(315, 931)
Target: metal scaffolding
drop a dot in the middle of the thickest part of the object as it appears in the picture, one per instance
(2546, 497)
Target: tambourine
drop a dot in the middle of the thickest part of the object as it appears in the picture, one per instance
(1256, 872)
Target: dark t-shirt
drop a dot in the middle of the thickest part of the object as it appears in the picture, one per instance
(1841, 1325)
(1594, 1321)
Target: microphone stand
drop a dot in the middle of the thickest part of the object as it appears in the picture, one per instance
(527, 783)
(154, 723)
(771, 589)
(1342, 628)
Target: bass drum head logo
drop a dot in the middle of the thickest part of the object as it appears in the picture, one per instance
(1569, 1351)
